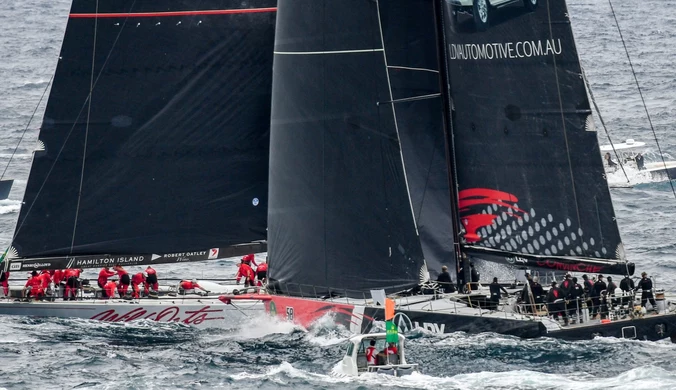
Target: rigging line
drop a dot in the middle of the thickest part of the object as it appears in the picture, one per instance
(563, 118)
(84, 104)
(396, 125)
(27, 125)
(640, 92)
(86, 135)
(603, 123)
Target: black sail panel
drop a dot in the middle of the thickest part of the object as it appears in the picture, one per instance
(339, 211)
(173, 149)
(529, 171)
(411, 49)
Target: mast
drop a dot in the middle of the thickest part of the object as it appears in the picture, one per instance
(444, 83)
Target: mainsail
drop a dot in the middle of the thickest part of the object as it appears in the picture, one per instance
(340, 215)
(532, 189)
(154, 145)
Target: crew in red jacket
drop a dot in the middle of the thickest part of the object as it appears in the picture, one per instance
(151, 279)
(189, 286)
(71, 275)
(45, 279)
(250, 259)
(136, 281)
(104, 274)
(109, 289)
(124, 281)
(247, 272)
(262, 273)
(4, 282)
(33, 286)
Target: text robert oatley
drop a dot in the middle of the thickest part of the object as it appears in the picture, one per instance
(512, 50)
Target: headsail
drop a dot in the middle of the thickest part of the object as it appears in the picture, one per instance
(170, 153)
(340, 215)
(530, 177)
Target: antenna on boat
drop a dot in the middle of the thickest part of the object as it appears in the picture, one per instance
(617, 24)
(603, 123)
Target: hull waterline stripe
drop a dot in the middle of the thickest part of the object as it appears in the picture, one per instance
(174, 13)
(328, 52)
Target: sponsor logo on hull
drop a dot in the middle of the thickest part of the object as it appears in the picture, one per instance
(405, 324)
(168, 314)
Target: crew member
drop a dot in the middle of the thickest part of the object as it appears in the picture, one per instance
(576, 294)
(4, 282)
(262, 273)
(609, 160)
(136, 282)
(104, 274)
(496, 288)
(246, 272)
(189, 286)
(599, 286)
(391, 349)
(640, 163)
(627, 287)
(555, 303)
(71, 275)
(250, 259)
(33, 286)
(646, 286)
(151, 279)
(371, 353)
(611, 292)
(109, 289)
(474, 275)
(444, 279)
(45, 279)
(124, 280)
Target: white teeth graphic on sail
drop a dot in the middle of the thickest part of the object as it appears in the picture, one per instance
(527, 235)
(40, 147)
(12, 253)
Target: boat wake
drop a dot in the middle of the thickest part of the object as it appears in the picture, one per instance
(9, 206)
(645, 377)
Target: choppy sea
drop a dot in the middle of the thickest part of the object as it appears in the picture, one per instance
(260, 353)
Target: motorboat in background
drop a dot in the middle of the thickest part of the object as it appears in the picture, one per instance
(631, 154)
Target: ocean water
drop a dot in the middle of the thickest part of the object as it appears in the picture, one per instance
(262, 353)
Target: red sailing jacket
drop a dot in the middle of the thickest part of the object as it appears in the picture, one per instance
(246, 272)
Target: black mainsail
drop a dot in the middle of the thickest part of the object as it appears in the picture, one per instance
(340, 216)
(154, 146)
(531, 185)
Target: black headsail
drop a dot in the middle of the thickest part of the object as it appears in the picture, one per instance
(531, 183)
(340, 216)
(167, 161)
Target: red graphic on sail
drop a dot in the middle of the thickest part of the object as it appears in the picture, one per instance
(474, 214)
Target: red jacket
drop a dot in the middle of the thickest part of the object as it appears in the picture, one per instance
(58, 276)
(262, 267)
(110, 288)
(138, 278)
(188, 285)
(245, 271)
(45, 279)
(104, 274)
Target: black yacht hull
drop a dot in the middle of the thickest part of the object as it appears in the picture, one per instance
(651, 327)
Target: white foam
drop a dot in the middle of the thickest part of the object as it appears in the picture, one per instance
(9, 206)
